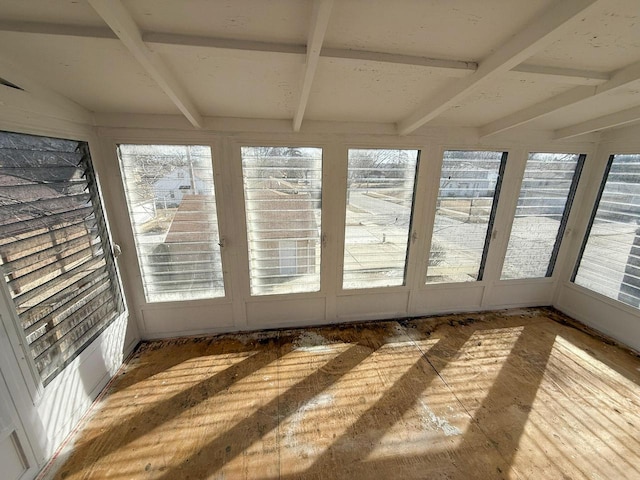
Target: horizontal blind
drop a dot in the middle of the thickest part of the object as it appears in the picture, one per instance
(468, 193)
(172, 208)
(610, 260)
(543, 205)
(380, 192)
(55, 252)
(282, 188)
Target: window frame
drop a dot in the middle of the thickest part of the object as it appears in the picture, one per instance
(592, 217)
(505, 152)
(565, 216)
(411, 232)
(595, 204)
(564, 221)
(9, 318)
(217, 167)
(240, 211)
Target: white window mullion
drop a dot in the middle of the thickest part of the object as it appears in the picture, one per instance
(427, 181)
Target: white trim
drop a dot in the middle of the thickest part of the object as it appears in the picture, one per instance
(506, 208)
(602, 313)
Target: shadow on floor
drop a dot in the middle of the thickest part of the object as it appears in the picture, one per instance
(484, 396)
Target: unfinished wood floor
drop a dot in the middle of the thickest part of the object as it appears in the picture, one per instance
(512, 394)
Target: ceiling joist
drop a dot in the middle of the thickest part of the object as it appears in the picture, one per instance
(63, 30)
(534, 37)
(319, 23)
(617, 119)
(620, 79)
(450, 68)
(569, 76)
(120, 21)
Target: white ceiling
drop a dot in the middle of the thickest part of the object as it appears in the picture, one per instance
(259, 71)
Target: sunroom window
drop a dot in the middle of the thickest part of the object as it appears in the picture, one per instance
(172, 208)
(609, 263)
(544, 203)
(56, 257)
(282, 187)
(380, 192)
(467, 199)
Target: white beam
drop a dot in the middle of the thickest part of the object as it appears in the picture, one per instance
(535, 36)
(450, 68)
(536, 111)
(319, 23)
(68, 109)
(620, 79)
(617, 119)
(569, 76)
(41, 28)
(173, 39)
(120, 21)
(454, 68)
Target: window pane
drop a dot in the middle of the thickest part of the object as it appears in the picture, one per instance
(547, 182)
(56, 257)
(610, 262)
(379, 202)
(172, 207)
(282, 200)
(469, 187)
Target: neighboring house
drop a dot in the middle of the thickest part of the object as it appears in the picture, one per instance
(286, 244)
(190, 248)
(286, 247)
(170, 189)
(468, 182)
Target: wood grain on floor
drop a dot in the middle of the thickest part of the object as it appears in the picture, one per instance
(511, 394)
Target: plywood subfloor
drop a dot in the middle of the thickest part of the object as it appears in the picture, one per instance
(512, 394)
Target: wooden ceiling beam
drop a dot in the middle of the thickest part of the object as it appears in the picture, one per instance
(621, 79)
(319, 24)
(532, 38)
(606, 122)
(120, 21)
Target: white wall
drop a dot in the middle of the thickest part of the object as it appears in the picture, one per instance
(40, 418)
(610, 317)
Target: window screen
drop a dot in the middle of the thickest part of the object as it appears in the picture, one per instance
(378, 218)
(543, 206)
(172, 207)
(55, 251)
(282, 188)
(610, 259)
(467, 198)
